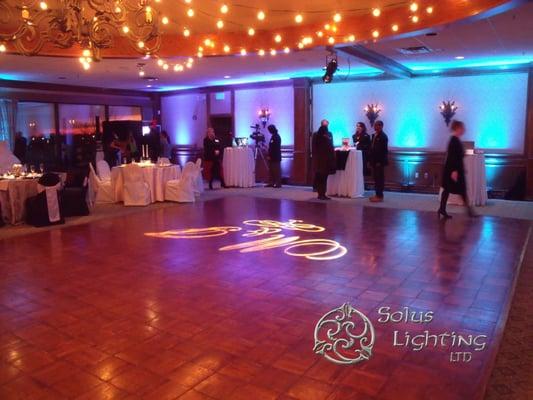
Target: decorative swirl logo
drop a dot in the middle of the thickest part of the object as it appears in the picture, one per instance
(344, 336)
(268, 235)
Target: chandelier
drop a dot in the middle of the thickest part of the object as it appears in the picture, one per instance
(90, 24)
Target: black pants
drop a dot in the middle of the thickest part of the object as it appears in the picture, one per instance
(321, 182)
(444, 200)
(379, 179)
(274, 172)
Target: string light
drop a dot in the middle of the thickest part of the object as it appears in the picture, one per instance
(261, 15)
(337, 17)
(243, 52)
(375, 34)
(224, 9)
(43, 5)
(220, 24)
(125, 29)
(226, 49)
(331, 40)
(277, 38)
(351, 38)
(298, 18)
(251, 31)
(140, 44)
(164, 20)
(160, 62)
(273, 52)
(414, 18)
(429, 10)
(186, 32)
(3, 48)
(376, 12)
(261, 52)
(395, 28)
(190, 13)
(286, 50)
(413, 7)
(165, 67)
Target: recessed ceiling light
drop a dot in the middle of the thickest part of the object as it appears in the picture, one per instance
(460, 58)
(227, 76)
(148, 85)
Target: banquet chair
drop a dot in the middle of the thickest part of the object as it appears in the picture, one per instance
(74, 196)
(45, 208)
(104, 172)
(99, 191)
(182, 190)
(136, 190)
(163, 160)
(199, 181)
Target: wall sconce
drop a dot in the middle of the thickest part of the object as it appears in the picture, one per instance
(448, 110)
(264, 116)
(372, 112)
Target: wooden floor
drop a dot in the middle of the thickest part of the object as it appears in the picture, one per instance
(102, 310)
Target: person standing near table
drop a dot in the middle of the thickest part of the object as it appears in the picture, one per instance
(362, 142)
(453, 175)
(274, 158)
(323, 160)
(21, 144)
(379, 153)
(212, 158)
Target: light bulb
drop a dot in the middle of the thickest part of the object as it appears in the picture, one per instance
(140, 44)
(429, 10)
(224, 9)
(164, 20)
(243, 52)
(186, 32)
(395, 28)
(298, 18)
(125, 29)
(331, 40)
(251, 31)
(273, 52)
(261, 52)
(337, 17)
(43, 5)
(277, 38)
(375, 34)
(413, 7)
(226, 49)
(376, 12)
(3, 48)
(190, 13)
(261, 15)
(286, 50)
(415, 18)
(220, 24)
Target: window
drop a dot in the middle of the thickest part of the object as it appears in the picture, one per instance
(80, 119)
(125, 113)
(35, 119)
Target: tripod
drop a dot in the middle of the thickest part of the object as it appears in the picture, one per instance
(258, 153)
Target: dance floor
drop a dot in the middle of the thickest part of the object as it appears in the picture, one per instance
(220, 300)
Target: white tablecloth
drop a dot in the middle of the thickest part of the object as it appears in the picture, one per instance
(350, 182)
(155, 176)
(13, 196)
(239, 167)
(476, 181)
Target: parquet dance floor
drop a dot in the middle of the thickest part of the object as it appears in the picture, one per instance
(220, 300)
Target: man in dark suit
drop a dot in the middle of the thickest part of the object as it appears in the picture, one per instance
(274, 158)
(379, 153)
(323, 160)
(21, 144)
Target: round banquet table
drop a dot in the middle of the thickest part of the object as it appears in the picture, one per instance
(349, 182)
(476, 182)
(156, 176)
(239, 167)
(13, 196)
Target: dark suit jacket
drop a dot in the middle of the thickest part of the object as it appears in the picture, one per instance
(274, 148)
(210, 146)
(379, 149)
(323, 154)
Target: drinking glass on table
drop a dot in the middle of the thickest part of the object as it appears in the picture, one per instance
(41, 168)
(32, 169)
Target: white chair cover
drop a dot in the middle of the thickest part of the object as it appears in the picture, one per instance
(104, 172)
(163, 160)
(52, 202)
(199, 180)
(7, 159)
(136, 190)
(183, 190)
(99, 191)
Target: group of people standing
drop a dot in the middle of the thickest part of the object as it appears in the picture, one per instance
(375, 156)
(214, 153)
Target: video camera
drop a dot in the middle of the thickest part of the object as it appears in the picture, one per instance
(257, 136)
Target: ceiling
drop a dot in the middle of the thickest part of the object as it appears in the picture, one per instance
(501, 40)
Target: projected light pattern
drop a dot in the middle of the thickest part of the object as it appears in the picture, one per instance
(271, 238)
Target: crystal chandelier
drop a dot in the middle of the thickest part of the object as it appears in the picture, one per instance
(92, 25)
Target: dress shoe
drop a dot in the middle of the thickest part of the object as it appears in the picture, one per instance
(269, 186)
(444, 214)
(324, 198)
(376, 199)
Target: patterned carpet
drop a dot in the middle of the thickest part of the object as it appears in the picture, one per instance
(512, 376)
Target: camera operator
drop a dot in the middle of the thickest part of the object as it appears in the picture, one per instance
(274, 158)
(212, 158)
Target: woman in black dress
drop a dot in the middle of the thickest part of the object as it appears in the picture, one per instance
(361, 140)
(453, 176)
